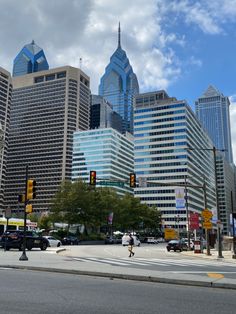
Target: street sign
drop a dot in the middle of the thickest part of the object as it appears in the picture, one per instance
(194, 221)
(207, 225)
(111, 183)
(206, 214)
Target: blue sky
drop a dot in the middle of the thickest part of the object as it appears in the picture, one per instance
(181, 46)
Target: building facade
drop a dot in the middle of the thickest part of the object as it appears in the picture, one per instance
(102, 114)
(212, 110)
(5, 107)
(30, 59)
(47, 108)
(119, 85)
(164, 130)
(109, 153)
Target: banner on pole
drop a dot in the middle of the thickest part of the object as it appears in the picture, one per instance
(110, 218)
(179, 198)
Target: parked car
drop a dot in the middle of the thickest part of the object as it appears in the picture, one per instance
(151, 240)
(176, 245)
(14, 239)
(53, 242)
(191, 243)
(126, 238)
(112, 240)
(70, 240)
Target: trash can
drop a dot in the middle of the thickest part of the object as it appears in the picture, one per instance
(197, 246)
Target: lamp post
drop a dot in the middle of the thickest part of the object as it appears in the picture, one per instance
(213, 149)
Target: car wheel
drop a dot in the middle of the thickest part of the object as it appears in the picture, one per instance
(174, 250)
(7, 249)
(29, 248)
(44, 246)
(168, 250)
(59, 244)
(180, 250)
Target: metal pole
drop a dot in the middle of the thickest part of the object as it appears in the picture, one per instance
(23, 256)
(207, 230)
(187, 213)
(217, 208)
(234, 240)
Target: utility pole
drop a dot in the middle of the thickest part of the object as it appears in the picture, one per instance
(205, 205)
(187, 213)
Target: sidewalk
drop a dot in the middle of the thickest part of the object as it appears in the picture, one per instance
(51, 261)
(227, 255)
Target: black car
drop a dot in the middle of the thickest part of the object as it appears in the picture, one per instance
(112, 240)
(14, 239)
(176, 245)
(70, 240)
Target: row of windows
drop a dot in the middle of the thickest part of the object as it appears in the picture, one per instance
(159, 108)
(50, 77)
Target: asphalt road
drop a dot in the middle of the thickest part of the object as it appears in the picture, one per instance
(38, 292)
(153, 257)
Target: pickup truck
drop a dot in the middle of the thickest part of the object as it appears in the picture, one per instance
(14, 239)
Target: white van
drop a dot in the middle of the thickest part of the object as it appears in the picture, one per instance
(126, 238)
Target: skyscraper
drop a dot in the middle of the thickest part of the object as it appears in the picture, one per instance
(102, 115)
(164, 128)
(47, 108)
(109, 153)
(5, 106)
(30, 59)
(119, 85)
(212, 109)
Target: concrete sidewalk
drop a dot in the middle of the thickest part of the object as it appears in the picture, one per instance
(227, 255)
(51, 261)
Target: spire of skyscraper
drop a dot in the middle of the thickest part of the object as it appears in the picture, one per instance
(119, 45)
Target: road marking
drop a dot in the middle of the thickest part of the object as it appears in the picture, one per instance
(214, 275)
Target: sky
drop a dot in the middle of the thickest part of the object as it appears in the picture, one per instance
(181, 46)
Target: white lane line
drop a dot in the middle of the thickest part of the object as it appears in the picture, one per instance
(106, 261)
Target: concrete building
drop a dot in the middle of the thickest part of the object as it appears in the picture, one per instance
(30, 59)
(5, 106)
(102, 114)
(119, 85)
(163, 130)
(109, 153)
(47, 108)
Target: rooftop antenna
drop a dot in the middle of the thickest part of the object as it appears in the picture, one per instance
(119, 45)
(80, 63)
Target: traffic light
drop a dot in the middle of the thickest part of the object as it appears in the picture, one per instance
(31, 189)
(132, 180)
(29, 208)
(21, 198)
(92, 180)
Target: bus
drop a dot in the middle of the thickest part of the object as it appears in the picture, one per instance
(16, 224)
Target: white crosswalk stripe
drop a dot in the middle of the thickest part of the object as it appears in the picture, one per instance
(154, 261)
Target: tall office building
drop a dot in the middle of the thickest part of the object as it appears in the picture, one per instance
(163, 130)
(5, 106)
(119, 85)
(47, 108)
(102, 115)
(109, 153)
(212, 109)
(30, 59)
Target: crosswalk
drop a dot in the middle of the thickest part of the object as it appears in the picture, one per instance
(154, 262)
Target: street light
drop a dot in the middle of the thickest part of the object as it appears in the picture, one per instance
(213, 149)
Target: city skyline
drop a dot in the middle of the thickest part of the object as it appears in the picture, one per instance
(180, 46)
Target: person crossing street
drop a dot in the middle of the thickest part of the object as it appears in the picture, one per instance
(130, 246)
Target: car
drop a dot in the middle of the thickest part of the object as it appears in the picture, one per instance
(126, 238)
(70, 240)
(53, 242)
(14, 239)
(176, 245)
(151, 240)
(191, 243)
(112, 240)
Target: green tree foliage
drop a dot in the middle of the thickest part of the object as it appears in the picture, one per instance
(79, 203)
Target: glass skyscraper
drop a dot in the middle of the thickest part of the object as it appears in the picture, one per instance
(30, 59)
(163, 130)
(119, 85)
(212, 109)
(106, 151)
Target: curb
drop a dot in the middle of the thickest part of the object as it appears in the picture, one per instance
(185, 282)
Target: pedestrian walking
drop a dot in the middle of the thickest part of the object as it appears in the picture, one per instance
(130, 246)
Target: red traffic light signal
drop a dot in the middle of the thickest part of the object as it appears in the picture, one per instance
(132, 180)
(92, 180)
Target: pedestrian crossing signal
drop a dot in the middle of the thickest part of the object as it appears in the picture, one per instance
(92, 180)
(132, 180)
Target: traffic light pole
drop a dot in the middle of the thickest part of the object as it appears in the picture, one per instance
(23, 256)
